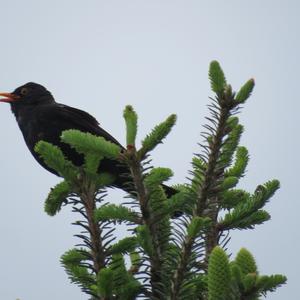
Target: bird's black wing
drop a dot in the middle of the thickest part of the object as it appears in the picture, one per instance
(63, 117)
(49, 121)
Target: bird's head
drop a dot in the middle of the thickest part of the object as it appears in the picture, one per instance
(28, 94)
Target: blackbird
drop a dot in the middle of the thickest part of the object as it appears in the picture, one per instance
(40, 117)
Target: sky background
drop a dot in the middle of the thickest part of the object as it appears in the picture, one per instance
(100, 56)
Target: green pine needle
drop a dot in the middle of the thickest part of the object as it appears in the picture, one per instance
(78, 273)
(267, 190)
(54, 158)
(230, 145)
(74, 257)
(126, 245)
(105, 282)
(249, 213)
(144, 239)
(130, 117)
(157, 135)
(246, 262)
(270, 283)
(135, 260)
(232, 122)
(242, 218)
(197, 225)
(157, 176)
(87, 143)
(218, 275)
(249, 281)
(245, 91)
(103, 179)
(229, 182)
(241, 162)
(56, 198)
(126, 286)
(115, 212)
(233, 197)
(217, 77)
(91, 163)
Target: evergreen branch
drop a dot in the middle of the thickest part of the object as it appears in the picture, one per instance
(55, 159)
(116, 213)
(217, 77)
(97, 250)
(230, 145)
(145, 240)
(135, 260)
(243, 219)
(204, 192)
(72, 262)
(178, 203)
(157, 176)
(211, 174)
(216, 157)
(150, 234)
(156, 136)
(270, 283)
(126, 245)
(57, 196)
(245, 261)
(179, 274)
(240, 165)
(231, 198)
(218, 275)
(248, 213)
(196, 225)
(105, 282)
(87, 143)
(91, 163)
(245, 91)
(130, 117)
(212, 165)
(125, 285)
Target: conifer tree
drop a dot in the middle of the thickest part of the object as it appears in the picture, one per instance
(164, 257)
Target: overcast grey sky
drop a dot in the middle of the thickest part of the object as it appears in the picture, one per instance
(100, 56)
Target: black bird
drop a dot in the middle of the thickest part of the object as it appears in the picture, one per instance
(40, 117)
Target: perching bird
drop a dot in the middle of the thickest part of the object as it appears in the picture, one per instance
(40, 117)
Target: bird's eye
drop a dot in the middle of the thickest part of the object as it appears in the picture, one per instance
(24, 91)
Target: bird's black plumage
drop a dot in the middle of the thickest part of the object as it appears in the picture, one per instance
(40, 117)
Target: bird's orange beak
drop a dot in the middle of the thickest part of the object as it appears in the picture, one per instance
(9, 97)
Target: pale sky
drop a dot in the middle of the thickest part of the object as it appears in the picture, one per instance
(100, 56)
